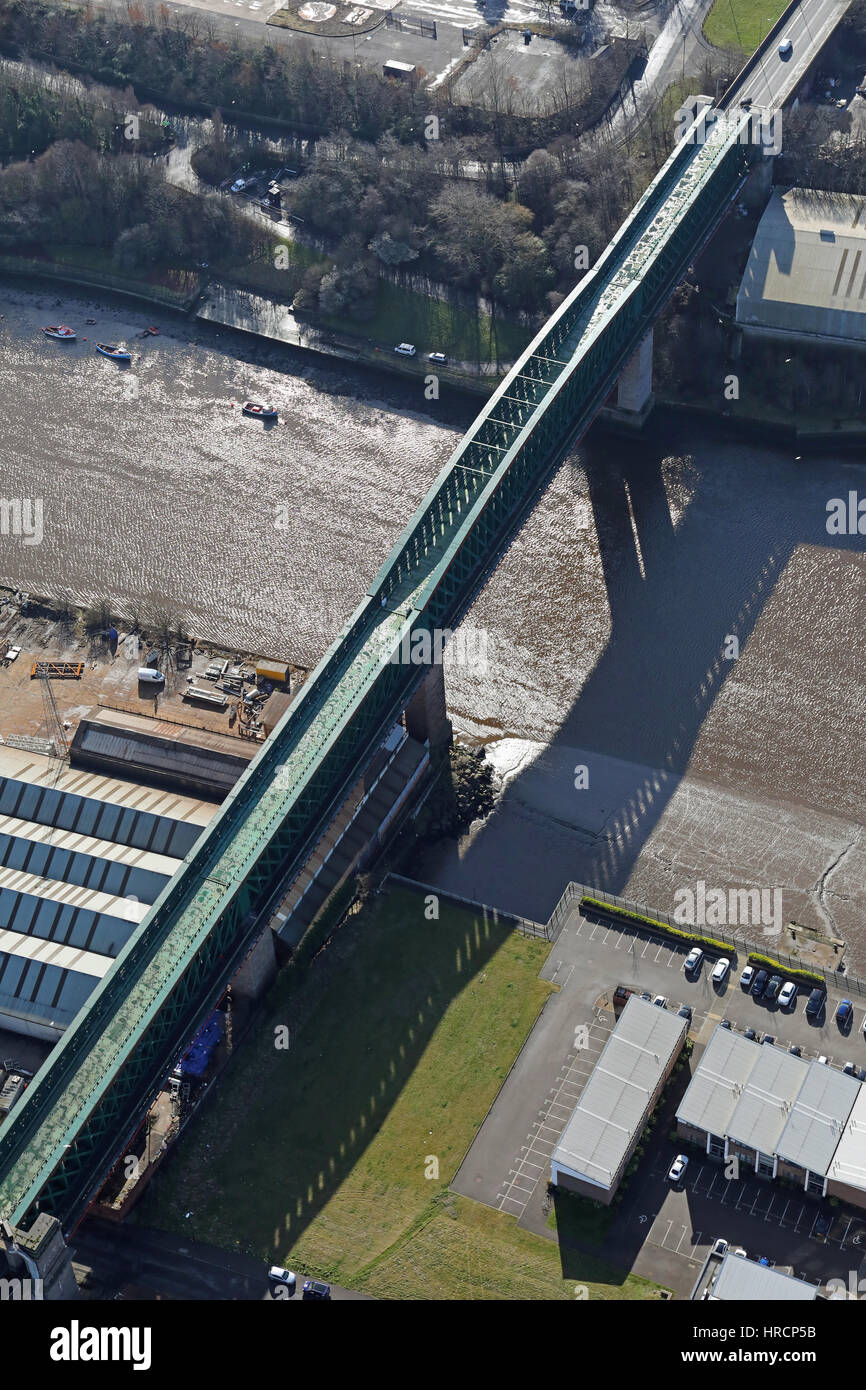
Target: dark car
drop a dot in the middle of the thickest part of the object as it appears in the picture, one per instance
(750, 1034)
(844, 1013)
(760, 983)
(773, 987)
(795, 1051)
(768, 1038)
(314, 1288)
(815, 1003)
(685, 1012)
(725, 1023)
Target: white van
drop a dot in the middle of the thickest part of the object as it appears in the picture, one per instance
(147, 675)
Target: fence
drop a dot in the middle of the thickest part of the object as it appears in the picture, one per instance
(93, 279)
(575, 891)
(523, 924)
(411, 24)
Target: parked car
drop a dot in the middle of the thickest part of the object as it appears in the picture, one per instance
(747, 977)
(795, 1051)
(285, 1277)
(768, 1038)
(786, 48)
(815, 1003)
(405, 350)
(720, 1246)
(844, 1013)
(725, 1023)
(678, 1168)
(720, 970)
(823, 1060)
(750, 1034)
(693, 960)
(148, 676)
(760, 983)
(685, 1012)
(438, 357)
(787, 994)
(239, 185)
(314, 1288)
(647, 996)
(740, 1251)
(660, 1001)
(774, 984)
(850, 1069)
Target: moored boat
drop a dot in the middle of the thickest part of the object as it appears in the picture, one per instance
(259, 411)
(117, 354)
(60, 332)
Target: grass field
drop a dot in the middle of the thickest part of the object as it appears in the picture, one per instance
(741, 24)
(324, 1156)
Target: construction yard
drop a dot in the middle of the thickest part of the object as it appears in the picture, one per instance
(204, 690)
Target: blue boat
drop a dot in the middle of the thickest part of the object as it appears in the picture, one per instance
(117, 354)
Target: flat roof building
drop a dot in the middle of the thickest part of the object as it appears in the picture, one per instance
(777, 1113)
(846, 1175)
(741, 1280)
(806, 272)
(616, 1102)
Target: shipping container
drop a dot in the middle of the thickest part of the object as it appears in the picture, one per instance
(272, 671)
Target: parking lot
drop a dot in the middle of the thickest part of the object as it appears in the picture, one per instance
(659, 1231)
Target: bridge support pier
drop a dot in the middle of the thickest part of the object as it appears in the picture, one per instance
(38, 1262)
(259, 968)
(634, 397)
(426, 713)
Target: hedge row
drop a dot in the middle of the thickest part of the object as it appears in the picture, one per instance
(661, 926)
(792, 973)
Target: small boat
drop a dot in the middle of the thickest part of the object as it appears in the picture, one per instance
(117, 354)
(258, 411)
(60, 332)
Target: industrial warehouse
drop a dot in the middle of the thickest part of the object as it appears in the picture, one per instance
(616, 1103)
(780, 1115)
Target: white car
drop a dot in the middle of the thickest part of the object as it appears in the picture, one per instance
(787, 994)
(678, 1168)
(239, 185)
(405, 350)
(661, 1001)
(786, 48)
(148, 676)
(720, 1246)
(720, 970)
(741, 1252)
(693, 960)
(747, 977)
(438, 357)
(823, 1060)
(278, 1275)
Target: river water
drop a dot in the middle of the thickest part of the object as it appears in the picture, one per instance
(608, 623)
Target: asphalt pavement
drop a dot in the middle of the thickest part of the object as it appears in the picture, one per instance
(114, 1257)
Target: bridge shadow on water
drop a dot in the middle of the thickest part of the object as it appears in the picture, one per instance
(682, 579)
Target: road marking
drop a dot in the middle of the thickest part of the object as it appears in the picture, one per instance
(645, 949)
(769, 1209)
(696, 1242)
(845, 1233)
(782, 1217)
(712, 1184)
(659, 951)
(594, 930)
(680, 1241)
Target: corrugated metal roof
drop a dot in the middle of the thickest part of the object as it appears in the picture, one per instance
(744, 1281)
(768, 1095)
(718, 1081)
(615, 1098)
(818, 1118)
(849, 1160)
(806, 272)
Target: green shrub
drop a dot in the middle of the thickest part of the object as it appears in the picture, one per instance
(791, 971)
(660, 926)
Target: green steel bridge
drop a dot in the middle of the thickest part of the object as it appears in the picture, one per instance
(92, 1093)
